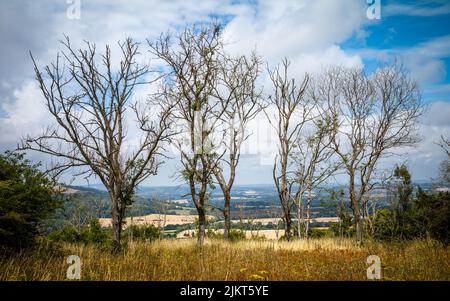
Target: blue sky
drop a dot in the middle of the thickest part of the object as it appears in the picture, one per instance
(311, 33)
(421, 23)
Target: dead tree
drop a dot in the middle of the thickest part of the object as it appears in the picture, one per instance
(88, 99)
(445, 145)
(444, 168)
(292, 112)
(373, 115)
(161, 210)
(314, 165)
(239, 98)
(194, 67)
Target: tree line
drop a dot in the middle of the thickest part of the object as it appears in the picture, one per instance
(342, 120)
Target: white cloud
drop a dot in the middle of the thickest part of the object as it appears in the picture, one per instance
(424, 61)
(424, 159)
(301, 30)
(423, 9)
(25, 113)
(307, 31)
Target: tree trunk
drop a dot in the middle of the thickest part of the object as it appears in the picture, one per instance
(117, 229)
(201, 227)
(308, 213)
(356, 210)
(116, 223)
(299, 220)
(288, 226)
(226, 214)
(359, 231)
(308, 216)
(359, 223)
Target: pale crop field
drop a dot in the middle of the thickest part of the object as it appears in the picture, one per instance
(157, 220)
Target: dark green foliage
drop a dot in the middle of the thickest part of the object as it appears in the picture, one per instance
(68, 233)
(385, 225)
(396, 222)
(343, 227)
(91, 233)
(426, 216)
(142, 233)
(317, 233)
(236, 234)
(210, 233)
(94, 233)
(402, 202)
(429, 216)
(404, 188)
(433, 215)
(27, 198)
(233, 235)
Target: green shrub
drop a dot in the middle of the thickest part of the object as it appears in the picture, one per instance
(142, 233)
(27, 198)
(213, 234)
(317, 233)
(94, 233)
(432, 215)
(428, 216)
(384, 225)
(236, 234)
(68, 233)
(89, 234)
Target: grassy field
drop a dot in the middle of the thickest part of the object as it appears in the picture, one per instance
(321, 259)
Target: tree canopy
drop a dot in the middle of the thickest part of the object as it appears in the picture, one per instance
(27, 197)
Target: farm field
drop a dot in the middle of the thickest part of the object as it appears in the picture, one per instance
(264, 234)
(265, 221)
(154, 219)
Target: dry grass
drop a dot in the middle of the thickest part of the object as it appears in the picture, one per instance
(322, 259)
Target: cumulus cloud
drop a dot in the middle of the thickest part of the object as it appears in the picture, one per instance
(25, 113)
(424, 159)
(309, 32)
(300, 30)
(24, 26)
(425, 61)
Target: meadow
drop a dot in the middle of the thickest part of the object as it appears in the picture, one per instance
(180, 259)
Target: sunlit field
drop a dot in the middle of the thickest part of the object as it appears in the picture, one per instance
(170, 259)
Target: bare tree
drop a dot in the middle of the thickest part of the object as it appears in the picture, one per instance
(88, 99)
(445, 145)
(372, 117)
(314, 165)
(239, 98)
(161, 209)
(194, 64)
(274, 213)
(444, 167)
(292, 112)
